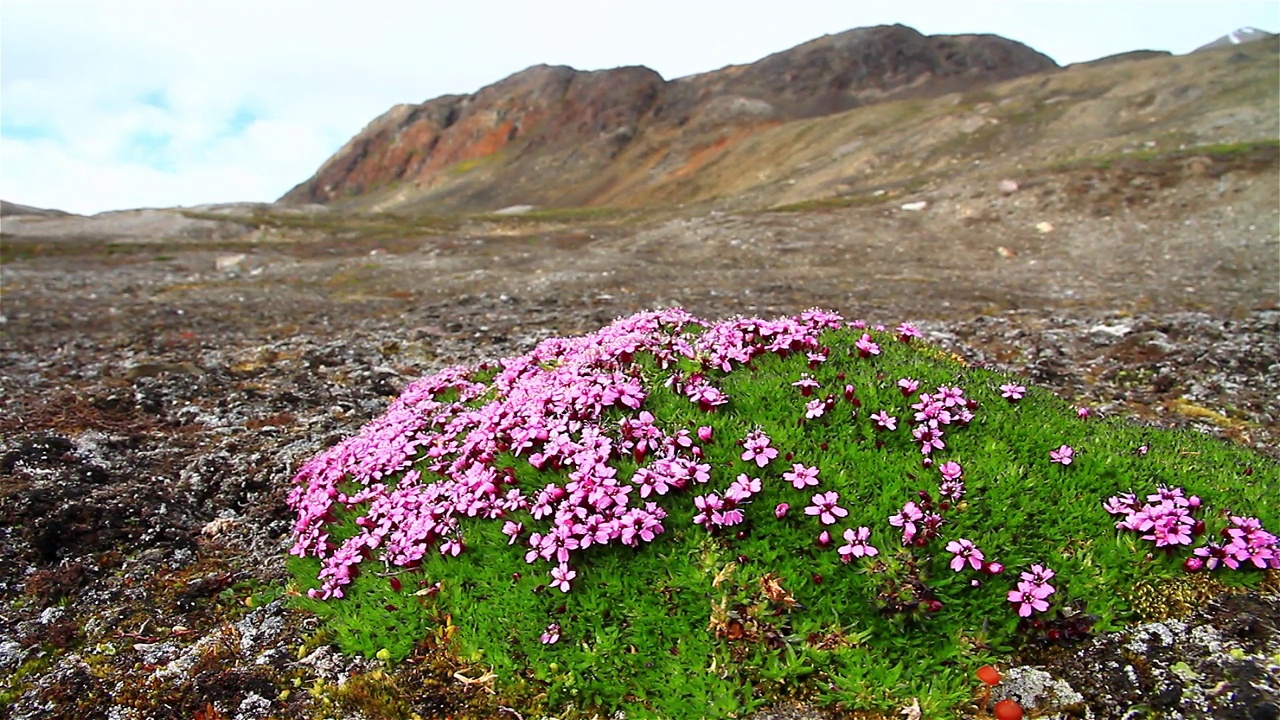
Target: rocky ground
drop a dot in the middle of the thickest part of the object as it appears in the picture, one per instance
(158, 396)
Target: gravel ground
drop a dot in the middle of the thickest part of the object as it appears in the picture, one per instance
(157, 399)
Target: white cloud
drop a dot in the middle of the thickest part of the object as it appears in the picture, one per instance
(251, 96)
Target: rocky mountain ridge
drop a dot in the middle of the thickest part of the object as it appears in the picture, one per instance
(1237, 37)
(581, 135)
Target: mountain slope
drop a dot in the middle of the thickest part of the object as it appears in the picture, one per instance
(566, 137)
(1237, 37)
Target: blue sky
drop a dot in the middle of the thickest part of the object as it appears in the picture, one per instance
(150, 103)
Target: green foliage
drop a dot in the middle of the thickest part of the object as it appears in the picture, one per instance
(701, 624)
(373, 618)
(1261, 151)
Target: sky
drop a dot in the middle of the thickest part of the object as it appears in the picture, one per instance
(118, 104)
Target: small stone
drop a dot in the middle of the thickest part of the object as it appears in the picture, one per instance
(1044, 227)
(229, 263)
(1007, 186)
(915, 206)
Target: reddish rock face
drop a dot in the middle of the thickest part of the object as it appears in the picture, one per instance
(558, 133)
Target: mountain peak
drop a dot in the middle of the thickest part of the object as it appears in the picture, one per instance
(1237, 37)
(568, 137)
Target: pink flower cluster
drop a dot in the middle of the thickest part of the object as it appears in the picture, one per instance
(1246, 542)
(1033, 591)
(433, 458)
(934, 412)
(724, 511)
(1166, 519)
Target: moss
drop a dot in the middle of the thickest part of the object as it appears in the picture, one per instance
(769, 612)
(465, 166)
(1264, 152)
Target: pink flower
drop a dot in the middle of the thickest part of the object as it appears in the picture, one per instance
(1083, 412)
(1040, 575)
(908, 386)
(952, 490)
(907, 331)
(801, 476)
(857, 545)
(1026, 599)
(742, 488)
(814, 409)
(512, 530)
(807, 385)
(552, 635)
(756, 447)
(929, 435)
(865, 346)
(826, 508)
(704, 433)
(1012, 392)
(906, 518)
(781, 510)
(965, 551)
(885, 421)
(1062, 455)
(707, 506)
(951, 470)
(560, 577)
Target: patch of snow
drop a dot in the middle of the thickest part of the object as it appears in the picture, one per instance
(513, 210)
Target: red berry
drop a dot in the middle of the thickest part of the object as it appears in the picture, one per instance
(1008, 710)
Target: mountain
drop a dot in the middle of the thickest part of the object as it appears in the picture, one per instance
(1238, 37)
(564, 137)
(9, 208)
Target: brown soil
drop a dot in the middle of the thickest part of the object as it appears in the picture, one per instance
(157, 396)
